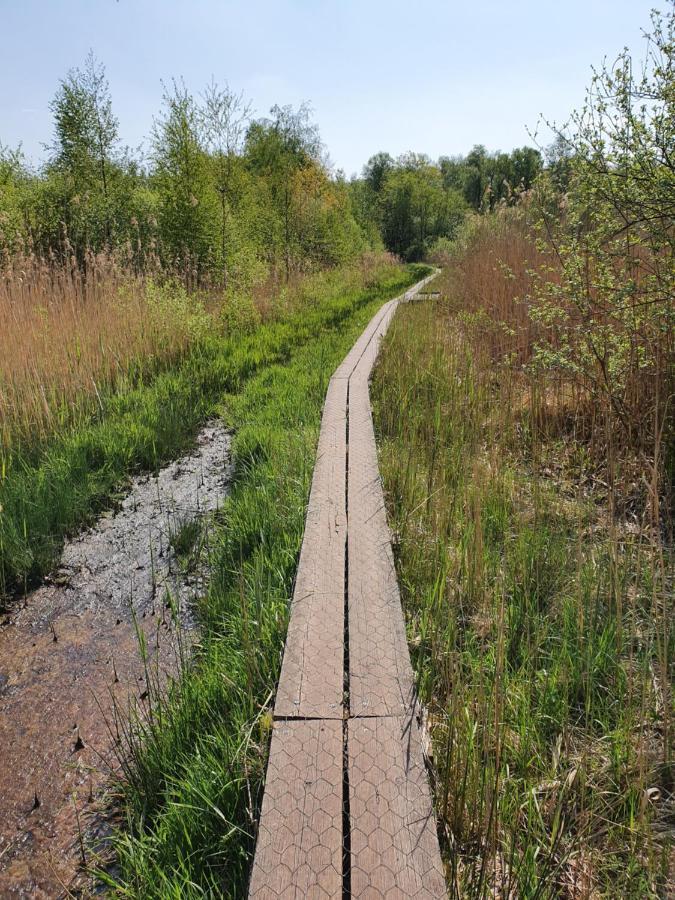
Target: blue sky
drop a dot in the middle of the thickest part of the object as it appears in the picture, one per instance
(435, 77)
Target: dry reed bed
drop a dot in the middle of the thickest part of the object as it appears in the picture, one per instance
(71, 331)
(599, 375)
(67, 337)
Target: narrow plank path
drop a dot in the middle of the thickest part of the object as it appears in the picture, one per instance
(347, 809)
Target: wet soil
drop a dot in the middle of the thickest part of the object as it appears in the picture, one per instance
(70, 654)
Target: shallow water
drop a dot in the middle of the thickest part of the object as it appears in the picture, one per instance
(71, 652)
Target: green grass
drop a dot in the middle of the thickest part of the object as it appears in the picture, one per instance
(194, 769)
(189, 544)
(50, 493)
(539, 631)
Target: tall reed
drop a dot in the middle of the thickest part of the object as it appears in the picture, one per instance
(69, 333)
(537, 594)
(72, 331)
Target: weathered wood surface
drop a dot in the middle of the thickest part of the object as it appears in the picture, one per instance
(346, 367)
(380, 675)
(299, 846)
(394, 847)
(346, 770)
(311, 683)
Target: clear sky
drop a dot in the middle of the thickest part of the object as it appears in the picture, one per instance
(425, 75)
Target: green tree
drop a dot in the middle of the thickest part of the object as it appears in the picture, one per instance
(610, 316)
(187, 204)
(224, 115)
(14, 181)
(277, 149)
(455, 172)
(416, 208)
(489, 178)
(376, 170)
(85, 151)
(526, 165)
(477, 180)
(559, 162)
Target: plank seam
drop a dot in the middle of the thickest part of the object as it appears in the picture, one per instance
(346, 806)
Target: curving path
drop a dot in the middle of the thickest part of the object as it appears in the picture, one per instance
(347, 810)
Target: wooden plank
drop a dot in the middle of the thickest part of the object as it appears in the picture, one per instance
(381, 680)
(346, 367)
(299, 844)
(312, 672)
(349, 363)
(380, 674)
(365, 363)
(394, 846)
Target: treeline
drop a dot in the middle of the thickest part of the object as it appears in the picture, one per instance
(219, 196)
(226, 198)
(413, 202)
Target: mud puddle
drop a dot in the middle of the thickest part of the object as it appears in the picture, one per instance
(71, 652)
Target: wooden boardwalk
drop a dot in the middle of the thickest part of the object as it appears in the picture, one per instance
(347, 810)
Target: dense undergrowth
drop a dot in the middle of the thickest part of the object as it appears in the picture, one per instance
(537, 594)
(194, 768)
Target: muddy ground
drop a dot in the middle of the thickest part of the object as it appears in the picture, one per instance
(70, 652)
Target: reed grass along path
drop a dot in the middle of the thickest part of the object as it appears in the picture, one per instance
(347, 809)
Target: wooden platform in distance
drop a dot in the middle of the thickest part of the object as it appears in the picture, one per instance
(347, 808)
